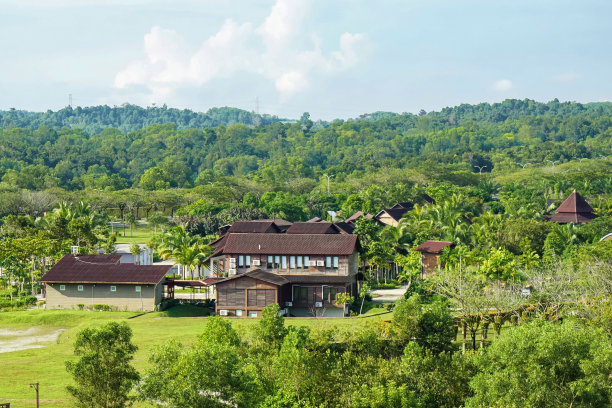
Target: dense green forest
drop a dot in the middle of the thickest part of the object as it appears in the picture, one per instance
(128, 118)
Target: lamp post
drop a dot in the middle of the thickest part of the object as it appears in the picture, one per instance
(553, 162)
(523, 165)
(328, 178)
(35, 386)
(480, 168)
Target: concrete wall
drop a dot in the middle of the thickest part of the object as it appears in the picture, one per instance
(124, 298)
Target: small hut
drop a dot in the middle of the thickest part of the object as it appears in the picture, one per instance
(573, 210)
(430, 256)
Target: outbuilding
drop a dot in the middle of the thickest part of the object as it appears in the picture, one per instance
(83, 281)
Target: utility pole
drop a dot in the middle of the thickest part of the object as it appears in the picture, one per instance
(70, 100)
(35, 386)
(553, 162)
(328, 178)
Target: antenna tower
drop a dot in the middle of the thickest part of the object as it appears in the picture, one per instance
(70, 100)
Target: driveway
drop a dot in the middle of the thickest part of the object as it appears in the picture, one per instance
(387, 295)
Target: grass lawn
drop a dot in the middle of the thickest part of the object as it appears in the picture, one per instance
(140, 234)
(46, 365)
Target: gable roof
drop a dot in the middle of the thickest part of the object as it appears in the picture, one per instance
(574, 204)
(258, 274)
(354, 217)
(290, 244)
(265, 226)
(433, 247)
(345, 227)
(395, 213)
(322, 227)
(93, 269)
(315, 219)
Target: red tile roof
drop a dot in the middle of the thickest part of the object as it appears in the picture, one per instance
(574, 204)
(93, 269)
(312, 228)
(354, 217)
(290, 244)
(256, 273)
(254, 227)
(574, 218)
(434, 247)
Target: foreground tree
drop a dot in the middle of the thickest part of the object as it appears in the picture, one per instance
(545, 365)
(103, 374)
(208, 374)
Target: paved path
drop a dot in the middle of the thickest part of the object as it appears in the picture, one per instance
(388, 295)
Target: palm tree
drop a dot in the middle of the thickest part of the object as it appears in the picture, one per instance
(184, 248)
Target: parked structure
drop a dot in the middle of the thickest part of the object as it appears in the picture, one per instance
(573, 210)
(304, 268)
(145, 257)
(101, 279)
(430, 256)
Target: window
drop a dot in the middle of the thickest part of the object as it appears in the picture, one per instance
(330, 294)
(328, 262)
(277, 261)
(240, 261)
(283, 262)
(80, 288)
(247, 259)
(306, 261)
(270, 262)
(137, 288)
(335, 262)
(62, 287)
(299, 262)
(300, 294)
(113, 288)
(239, 312)
(292, 262)
(252, 314)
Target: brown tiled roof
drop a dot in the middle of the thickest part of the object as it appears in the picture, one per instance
(257, 273)
(428, 199)
(290, 244)
(574, 218)
(85, 269)
(101, 258)
(297, 279)
(434, 247)
(315, 219)
(354, 217)
(254, 227)
(574, 204)
(312, 228)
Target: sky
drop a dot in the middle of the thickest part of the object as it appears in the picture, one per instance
(333, 59)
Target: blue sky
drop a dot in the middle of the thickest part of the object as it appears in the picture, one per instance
(334, 59)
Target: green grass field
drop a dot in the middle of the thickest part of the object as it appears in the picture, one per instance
(140, 234)
(47, 364)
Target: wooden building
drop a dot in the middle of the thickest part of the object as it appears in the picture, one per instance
(310, 264)
(430, 256)
(573, 210)
(89, 280)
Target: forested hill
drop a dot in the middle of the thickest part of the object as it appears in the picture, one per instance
(510, 109)
(295, 155)
(129, 118)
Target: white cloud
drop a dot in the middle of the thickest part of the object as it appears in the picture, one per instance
(503, 85)
(269, 49)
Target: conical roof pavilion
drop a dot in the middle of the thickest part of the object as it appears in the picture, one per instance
(573, 210)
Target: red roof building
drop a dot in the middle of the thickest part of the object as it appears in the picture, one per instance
(430, 256)
(88, 280)
(573, 210)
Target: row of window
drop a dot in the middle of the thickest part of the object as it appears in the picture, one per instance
(300, 262)
(310, 294)
(112, 288)
(294, 262)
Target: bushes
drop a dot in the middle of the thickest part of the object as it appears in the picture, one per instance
(18, 303)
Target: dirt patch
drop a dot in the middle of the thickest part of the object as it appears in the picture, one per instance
(15, 340)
